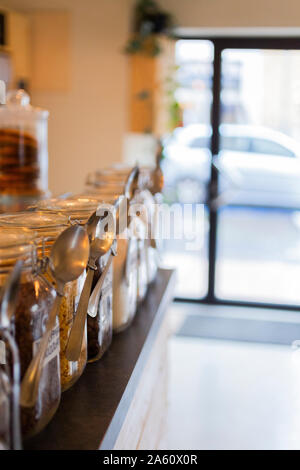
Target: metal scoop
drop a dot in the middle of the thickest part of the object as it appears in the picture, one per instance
(100, 243)
(68, 259)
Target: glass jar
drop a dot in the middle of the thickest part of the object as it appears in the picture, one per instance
(23, 152)
(100, 326)
(123, 182)
(149, 186)
(5, 405)
(148, 255)
(125, 282)
(71, 370)
(55, 208)
(77, 209)
(113, 180)
(150, 178)
(48, 226)
(125, 264)
(138, 231)
(10, 432)
(34, 303)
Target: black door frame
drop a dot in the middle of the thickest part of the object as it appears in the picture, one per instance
(221, 43)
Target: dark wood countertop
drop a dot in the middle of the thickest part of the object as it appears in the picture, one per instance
(92, 412)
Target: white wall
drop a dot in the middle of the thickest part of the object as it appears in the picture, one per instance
(235, 13)
(87, 122)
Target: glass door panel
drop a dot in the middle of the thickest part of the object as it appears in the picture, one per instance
(187, 166)
(258, 242)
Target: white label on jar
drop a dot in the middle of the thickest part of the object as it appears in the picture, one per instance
(5, 389)
(105, 308)
(107, 284)
(2, 92)
(2, 352)
(52, 348)
(133, 258)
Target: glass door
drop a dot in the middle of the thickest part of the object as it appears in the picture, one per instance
(257, 229)
(236, 152)
(187, 167)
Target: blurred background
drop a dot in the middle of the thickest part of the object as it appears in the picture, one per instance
(218, 82)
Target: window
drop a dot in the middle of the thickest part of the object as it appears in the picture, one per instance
(235, 144)
(199, 142)
(270, 148)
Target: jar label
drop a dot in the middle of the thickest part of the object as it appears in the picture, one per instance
(107, 284)
(105, 309)
(2, 352)
(132, 258)
(5, 390)
(53, 345)
(132, 293)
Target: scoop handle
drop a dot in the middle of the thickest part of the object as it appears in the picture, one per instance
(76, 335)
(94, 299)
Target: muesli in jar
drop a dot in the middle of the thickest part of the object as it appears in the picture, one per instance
(48, 226)
(71, 370)
(35, 300)
(75, 212)
(99, 320)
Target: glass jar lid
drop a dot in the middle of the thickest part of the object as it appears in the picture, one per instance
(37, 220)
(18, 106)
(94, 195)
(47, 225)
(15, 244)
(113, 185)
(107, 188)
(115, 182)
(76, 209)
(111, 177)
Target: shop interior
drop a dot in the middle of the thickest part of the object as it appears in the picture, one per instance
(149, 192)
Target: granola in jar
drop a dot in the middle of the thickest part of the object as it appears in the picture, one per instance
(71, 370)
(34, 302)
(76, 211)
(48, 226)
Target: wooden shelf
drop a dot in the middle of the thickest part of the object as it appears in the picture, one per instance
(92, 412)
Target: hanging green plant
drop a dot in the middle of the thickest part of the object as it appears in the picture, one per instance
(174, 108)
(148, 23)
(149, 45)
